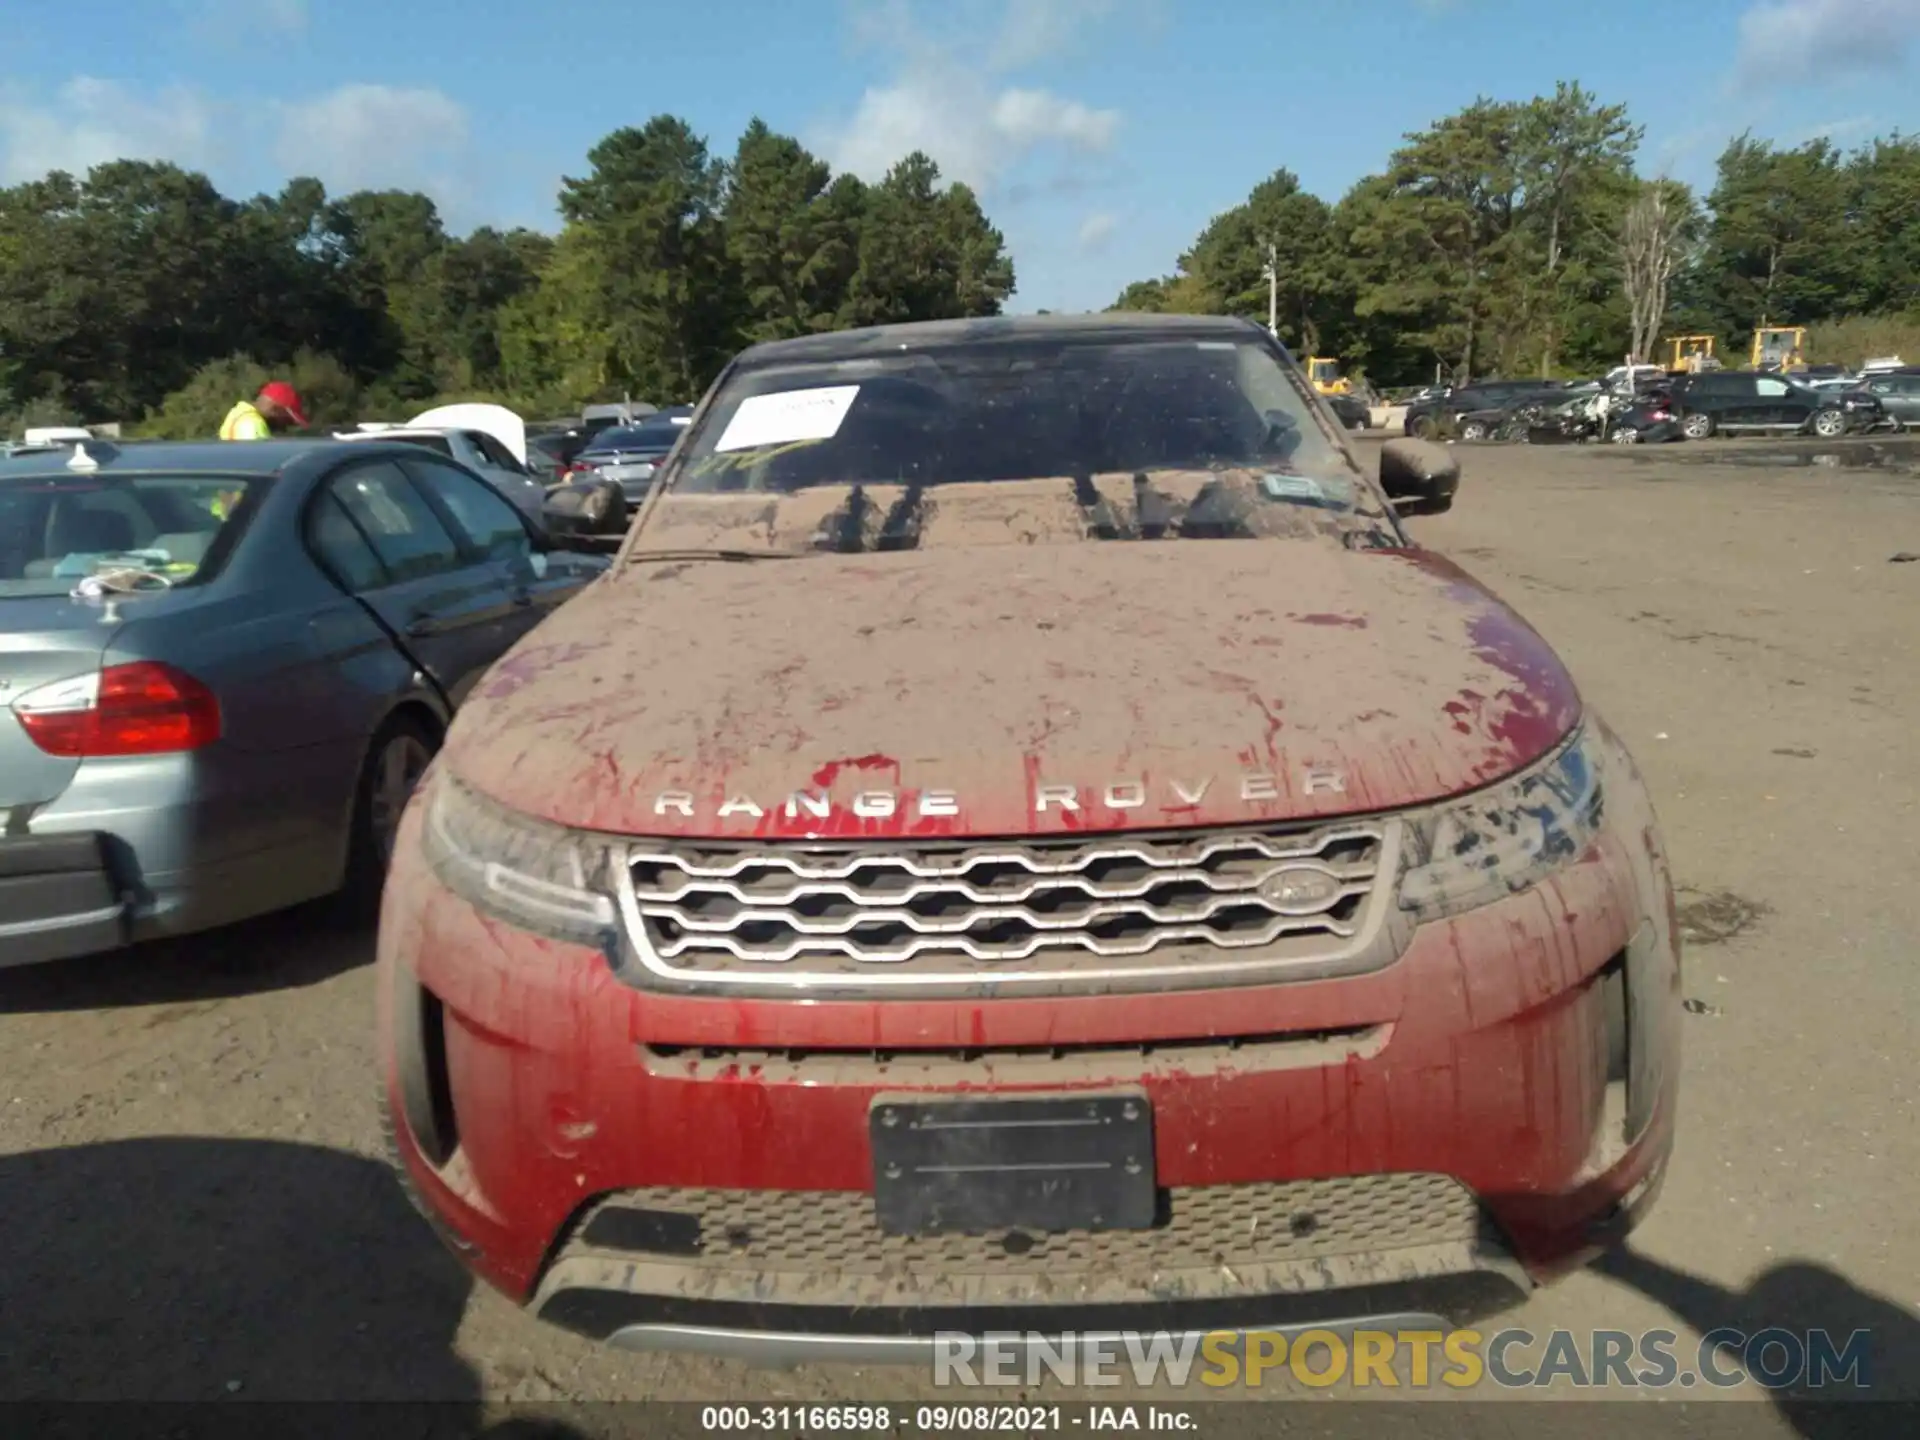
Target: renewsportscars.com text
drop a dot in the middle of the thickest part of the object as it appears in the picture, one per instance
(1774, 1359)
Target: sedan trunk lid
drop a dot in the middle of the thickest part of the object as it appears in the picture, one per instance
(43, 638)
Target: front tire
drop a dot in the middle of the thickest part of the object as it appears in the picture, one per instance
(1829, 424)
(1473, 430)
(1626, 436)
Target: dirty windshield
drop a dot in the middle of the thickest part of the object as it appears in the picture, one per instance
(1010, 441)
(58, 530)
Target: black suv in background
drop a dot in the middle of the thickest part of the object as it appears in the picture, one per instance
(1425, 417)
(1728, 402)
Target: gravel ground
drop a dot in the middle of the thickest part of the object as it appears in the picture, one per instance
(194, 1209)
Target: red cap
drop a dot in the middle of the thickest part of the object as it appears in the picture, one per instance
(286, 397)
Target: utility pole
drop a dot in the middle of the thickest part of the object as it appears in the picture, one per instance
(1272, 271)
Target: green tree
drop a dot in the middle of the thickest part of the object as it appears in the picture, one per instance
(653, 248)
(926, 253)
(793, 241)
(1447, 235)
(1884, 179)
(1229, 259)
(328, 391)
(114, 288)
(1574, 159)
(1776, 247)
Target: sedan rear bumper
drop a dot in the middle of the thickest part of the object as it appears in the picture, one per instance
(58, 898)
(171, 845)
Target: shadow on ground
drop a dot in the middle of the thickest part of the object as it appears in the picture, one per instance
(1798, 1296)
(226, 1271)
(284, 951)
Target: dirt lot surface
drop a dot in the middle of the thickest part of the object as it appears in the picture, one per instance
(193, 1207)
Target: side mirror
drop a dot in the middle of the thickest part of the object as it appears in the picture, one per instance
(1420, 477)
(595, 508)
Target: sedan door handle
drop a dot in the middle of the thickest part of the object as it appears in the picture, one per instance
(421, 626)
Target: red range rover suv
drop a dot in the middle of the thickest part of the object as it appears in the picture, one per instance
(1023, 840)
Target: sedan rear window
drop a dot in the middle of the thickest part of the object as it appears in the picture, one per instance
(58, 530)
(651, 436)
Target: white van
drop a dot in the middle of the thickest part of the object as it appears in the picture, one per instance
(1624, 376)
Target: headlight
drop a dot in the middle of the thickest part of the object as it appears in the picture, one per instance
(532, 874)
(1504, 839)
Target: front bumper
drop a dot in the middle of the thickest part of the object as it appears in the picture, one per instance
(664, 1170)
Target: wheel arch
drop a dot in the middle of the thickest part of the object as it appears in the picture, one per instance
(416, 704)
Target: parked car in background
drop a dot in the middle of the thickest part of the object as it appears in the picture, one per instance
(1650, 418)
(1351, 410)
(765, 969)
(1734, 402)
(488, 439)
(1441, 414)
(629, 455)
(1899, 395)
(547, 456)
(1634, 376)
(576, 435)
(226, 665)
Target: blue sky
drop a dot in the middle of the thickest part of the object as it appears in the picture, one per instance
(1102, 134)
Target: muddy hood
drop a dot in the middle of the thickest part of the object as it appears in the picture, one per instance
(1003, 690)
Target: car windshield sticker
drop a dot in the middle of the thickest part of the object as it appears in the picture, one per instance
(788, 416)
(1292, 487)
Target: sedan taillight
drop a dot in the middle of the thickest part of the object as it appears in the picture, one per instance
(141, 708)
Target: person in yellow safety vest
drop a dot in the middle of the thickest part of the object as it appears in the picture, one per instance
(274, 409)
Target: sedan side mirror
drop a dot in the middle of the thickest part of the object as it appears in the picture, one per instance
(1420, 477)
(592, 509)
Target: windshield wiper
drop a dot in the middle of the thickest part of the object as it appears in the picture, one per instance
(736, 556)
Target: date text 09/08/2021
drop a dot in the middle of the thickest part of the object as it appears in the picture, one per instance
(788, 1419)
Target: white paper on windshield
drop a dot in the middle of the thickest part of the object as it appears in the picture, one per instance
(790, 415)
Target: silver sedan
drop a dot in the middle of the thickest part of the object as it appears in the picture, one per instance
(224, 667)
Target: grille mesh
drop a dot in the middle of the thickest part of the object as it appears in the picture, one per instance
(1045, 905)
(1265, 1223)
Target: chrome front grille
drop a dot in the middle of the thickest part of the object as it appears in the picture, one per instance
(972, 911)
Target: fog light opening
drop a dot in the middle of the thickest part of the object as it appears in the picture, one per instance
(420, 1062)
(1613, 1132)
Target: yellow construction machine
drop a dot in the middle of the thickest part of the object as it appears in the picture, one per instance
(1325, 374)
(1689, 352)
(1780, 347)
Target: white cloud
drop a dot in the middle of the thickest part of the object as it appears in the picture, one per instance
(950, 98)
(1030, 117)
(1097, 229)
(1817, 42)
(1036, 30)
(88, 121)
(378, 137)
(354, 137)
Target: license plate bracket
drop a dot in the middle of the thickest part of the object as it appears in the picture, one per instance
(1041, 1163)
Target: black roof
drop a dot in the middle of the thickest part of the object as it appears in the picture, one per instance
(1118, 326)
